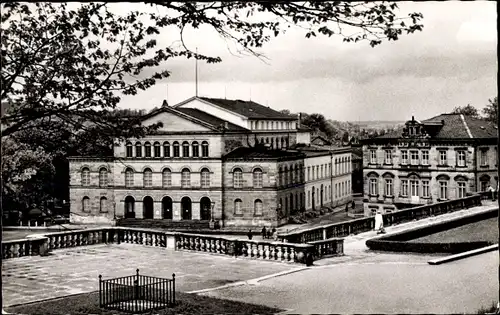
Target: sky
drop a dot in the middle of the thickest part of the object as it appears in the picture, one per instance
(452, 62)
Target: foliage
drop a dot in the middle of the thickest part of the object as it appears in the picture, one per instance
(64, 67)
(466, 110)
(491, 110)
(67, 63)
(26, 173)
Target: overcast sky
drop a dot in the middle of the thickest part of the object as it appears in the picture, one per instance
(452, 62)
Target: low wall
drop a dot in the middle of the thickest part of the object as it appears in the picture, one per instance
(401, 242)
(264, 250)
(368, 223)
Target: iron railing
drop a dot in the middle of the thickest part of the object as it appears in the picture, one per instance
(136, 294)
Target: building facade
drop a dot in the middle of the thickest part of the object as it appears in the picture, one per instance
(239, 163)
(445, 157)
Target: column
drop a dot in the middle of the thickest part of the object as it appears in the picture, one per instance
(139, 210)
(195, 211)
(157, 210)
(176, 216)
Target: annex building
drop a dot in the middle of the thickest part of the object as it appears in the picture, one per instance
(445, 157)
(234, 162)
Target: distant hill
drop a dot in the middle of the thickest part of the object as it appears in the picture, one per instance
(378, 124)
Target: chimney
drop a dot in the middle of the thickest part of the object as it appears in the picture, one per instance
(165, 103)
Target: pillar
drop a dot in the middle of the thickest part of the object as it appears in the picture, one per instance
(176, 215)
(157, 210)
(195, 210)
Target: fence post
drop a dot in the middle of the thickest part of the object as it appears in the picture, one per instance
(173, 288)
(100, 290)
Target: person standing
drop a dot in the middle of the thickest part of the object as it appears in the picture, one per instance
(250, 234)
(264, 233)
(379, 222)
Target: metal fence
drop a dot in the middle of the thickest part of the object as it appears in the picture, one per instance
(136, 294)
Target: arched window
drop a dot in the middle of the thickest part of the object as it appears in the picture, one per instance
(166, 149)
(129, 150)
(86, 204)
(157, 149)
(204, 149)
(237, 178)
(129, 177)
(138, 149)
(103, 177)
(267, 125)
(185, 149)
(196, 149)
(185, 178)
(103, 205)
(205, 178)
(297, 179)
(257, 178)
(166, 178)
(257, 207)
(147, 149)
(148, 178)
(177, 151)
(85, 177)
(238, 207)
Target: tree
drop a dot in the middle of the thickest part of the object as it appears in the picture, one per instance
(491, 110)
(69, 63)
(24, 174)
(466, 110)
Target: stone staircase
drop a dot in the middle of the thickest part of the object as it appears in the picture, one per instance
(183, 225)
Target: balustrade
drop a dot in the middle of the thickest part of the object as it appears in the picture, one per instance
(367, 224)
(328, 248)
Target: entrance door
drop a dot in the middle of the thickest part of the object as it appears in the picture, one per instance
(129, 207)
(186, 208)
(166, 205)
(205, 208)
(148, 207)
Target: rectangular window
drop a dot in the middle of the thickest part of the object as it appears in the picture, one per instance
(388, 187)
(425, 189)
(425, 157)
(461, 158)
(147, 150)
(185, 151)
(129, 151)
(443, 158)
(414, 188)
(484, 158)
(404, 187)
(157, 150)
(388, 157)
(443, 190)
(185, 179)
(373, 156)
(461, 190)
(176, 150)
(414, 157)
(373, 186)
(166, 150)
(404, 157)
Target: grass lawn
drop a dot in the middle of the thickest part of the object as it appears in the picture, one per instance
(485, 230)
(88, 303)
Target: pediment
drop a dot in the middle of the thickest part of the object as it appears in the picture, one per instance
(175, 122)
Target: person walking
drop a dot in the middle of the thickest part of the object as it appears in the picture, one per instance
(264, 233)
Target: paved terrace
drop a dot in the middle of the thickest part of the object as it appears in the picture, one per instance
(360, 282)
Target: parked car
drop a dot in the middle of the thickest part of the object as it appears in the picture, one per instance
(59, 219)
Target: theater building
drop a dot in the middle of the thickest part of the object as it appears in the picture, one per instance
(236, 162)
(442, 158)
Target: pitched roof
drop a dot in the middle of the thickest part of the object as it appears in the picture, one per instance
(454, 126)
(261, 153)
(213, 120)
(248, 109)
